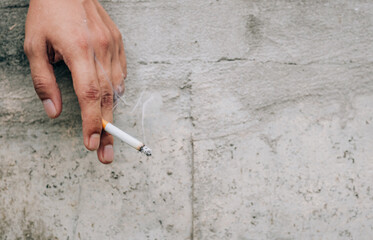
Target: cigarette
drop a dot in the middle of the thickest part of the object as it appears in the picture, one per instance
(133, 142)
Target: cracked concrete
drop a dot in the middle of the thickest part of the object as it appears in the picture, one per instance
(260, 123)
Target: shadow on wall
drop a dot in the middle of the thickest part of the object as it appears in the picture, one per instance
(12, 28)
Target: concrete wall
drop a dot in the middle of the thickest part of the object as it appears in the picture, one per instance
(261, 122)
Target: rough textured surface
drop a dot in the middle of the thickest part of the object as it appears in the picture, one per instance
(260, 120)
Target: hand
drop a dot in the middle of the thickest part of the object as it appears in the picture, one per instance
(80, 33)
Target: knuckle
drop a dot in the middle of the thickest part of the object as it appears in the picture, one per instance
(28, 46)
(117, 35)
(91, 94)
(41, 86)
(92, 123)
(82, 43)
(104, 40)
(107, 99)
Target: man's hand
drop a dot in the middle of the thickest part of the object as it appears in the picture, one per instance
(80, 33)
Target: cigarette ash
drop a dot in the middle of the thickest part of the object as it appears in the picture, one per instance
(145, 150)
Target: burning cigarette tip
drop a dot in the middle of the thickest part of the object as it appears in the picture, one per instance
(145, 150)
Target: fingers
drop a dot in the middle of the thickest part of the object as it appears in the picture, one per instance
(122, 59)
(103, 45)
(88, 90)
(43, 77)
(119, 65)
(91, 76)
(105, 152)
(109, 73)
(118, 75)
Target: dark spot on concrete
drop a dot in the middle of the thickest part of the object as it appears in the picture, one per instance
(170, 227)
(32, 230)
(226, 59)
(114, 175)
(253, 31)
(159, 62)
(345, 233)
(345, 154)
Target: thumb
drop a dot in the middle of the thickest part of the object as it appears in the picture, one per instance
(43, 77)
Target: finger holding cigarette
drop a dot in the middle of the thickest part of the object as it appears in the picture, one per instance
(133, 142)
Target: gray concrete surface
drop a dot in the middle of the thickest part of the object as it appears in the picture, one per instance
(261, 122)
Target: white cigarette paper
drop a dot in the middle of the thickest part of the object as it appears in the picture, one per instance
(133, 142)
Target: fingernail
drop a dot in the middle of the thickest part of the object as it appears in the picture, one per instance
(49, 107)
(94, 141)
(120, 89)
(108, 154)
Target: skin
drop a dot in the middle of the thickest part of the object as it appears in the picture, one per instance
(80, 33)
